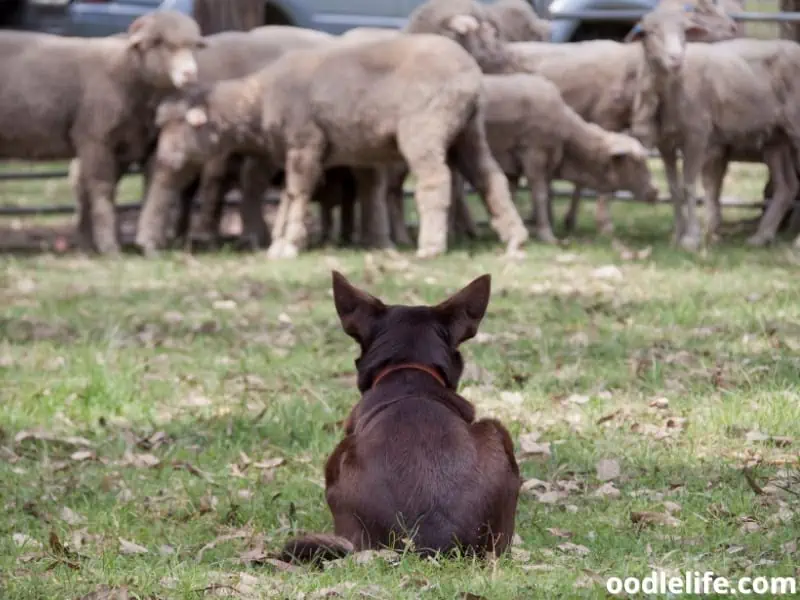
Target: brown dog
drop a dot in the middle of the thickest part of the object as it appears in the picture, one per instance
(414, 463)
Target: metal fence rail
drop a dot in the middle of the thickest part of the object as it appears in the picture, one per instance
(622, 16)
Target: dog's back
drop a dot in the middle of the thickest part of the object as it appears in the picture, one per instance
(414, 463)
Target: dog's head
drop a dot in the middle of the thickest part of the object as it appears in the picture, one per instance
(397, 334)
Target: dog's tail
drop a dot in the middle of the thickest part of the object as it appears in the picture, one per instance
(316, 547)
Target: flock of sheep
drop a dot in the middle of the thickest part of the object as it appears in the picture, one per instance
(466, 91)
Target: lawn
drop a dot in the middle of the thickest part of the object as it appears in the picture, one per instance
(164, 424)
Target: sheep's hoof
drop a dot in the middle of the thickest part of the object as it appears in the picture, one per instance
(546, 236)
(429, 252)
(606, 228)
(758, 241)
(108, 247)
(146, 248)
(280, 249)
(514, 254)
(690, 243)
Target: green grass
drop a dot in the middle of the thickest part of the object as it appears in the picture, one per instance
(190, 377)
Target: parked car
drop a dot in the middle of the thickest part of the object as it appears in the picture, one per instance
(11, 13)
(106, 17)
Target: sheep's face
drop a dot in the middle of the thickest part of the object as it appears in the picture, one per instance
(186, 135)
(665, 32)
(516, 21)
(627, 167)
(166, 42)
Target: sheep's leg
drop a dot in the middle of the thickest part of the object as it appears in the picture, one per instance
(376, 230)
(348, 197)
(476, 163)
(85, 236)
(396, 202)
(785, 187)
(100, 173)
(303, 171)
(713, 177)
(669, 157)
(183, 223)
(602, 214)
(255, 179)
(693, 159)
(205, 228)
(535, 172)
(463, 224)
(571, 218)
(163, 191)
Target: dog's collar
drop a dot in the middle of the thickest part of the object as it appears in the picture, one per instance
(403, 366)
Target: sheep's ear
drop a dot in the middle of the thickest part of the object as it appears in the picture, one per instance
(462, 312)
(137, 35)
(696, 33)
(623, 145)
(463, 24)
(636, 34)
(357, 309)
(196, 116)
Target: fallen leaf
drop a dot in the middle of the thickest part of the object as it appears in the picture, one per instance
(654, 518)
(70, 517)
(45, 436)
(140, 461)
(607, 490)
(577, 399)
(749, 525)
(282, 565)
(56, 546)
(520, 555)
(608, 417)
(608, 272)
(81, 455)
(789, 547)
(126, 547)
(608, 469)
(270, 463)
(571, 548)
(23, 539)
(530, 447)
(561, 533)
(223, 538)
(166, 550)
(551, 497)
(756, 436)
(672, 507)
(105, 592)
(660, 403)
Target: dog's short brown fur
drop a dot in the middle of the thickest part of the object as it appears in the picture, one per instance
(414, 463)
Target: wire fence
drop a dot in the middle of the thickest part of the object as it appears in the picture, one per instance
(764, 19)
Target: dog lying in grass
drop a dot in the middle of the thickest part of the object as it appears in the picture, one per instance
(414, 463)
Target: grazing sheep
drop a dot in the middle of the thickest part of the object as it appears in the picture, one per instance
(90, 98)
(602, 81)
(416, 98)
(533, 132)
(714, 101)
(226, 55)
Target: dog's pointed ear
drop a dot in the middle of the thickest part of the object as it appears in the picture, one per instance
(462, 312)
(357, 309)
